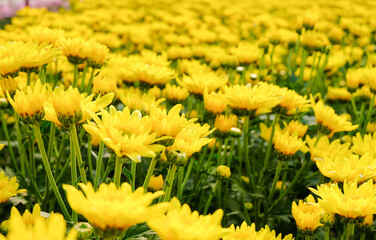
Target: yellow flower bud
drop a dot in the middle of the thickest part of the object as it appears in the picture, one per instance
(223, 172)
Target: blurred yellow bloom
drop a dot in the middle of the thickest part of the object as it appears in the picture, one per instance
(175, 93)
(288, 144)
(338, 93)
(349, 168)
(8, 188)
(326, 117)
(52, 229)
(181, 224)
(225, 123)
(291, 102)
(215, 102)
(156, 183)
(70, 107)
(104, 83)
(366, 144)
(29, 104)
(96, 54)
(198, 82)
(138, 101)
(28, 218)
(168, 124)
(307, 214)
(74, 49)
(223, 172)
(39, 34)
(353, 202)
(114, 208)
(296, 126)
(256, 99)
(245, 232)
(326, 148)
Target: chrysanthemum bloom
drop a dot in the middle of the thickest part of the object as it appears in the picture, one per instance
(180, 223)
(8, 188)
(336, 35)
(296, 126)
(138, 101)
(254, 100)
(37, 55)
(96, 54)
(52, 229)
(40, 34)
(190, 140)
(112, 209)
(29, 105)
(175, 93)
(156, 183)
(354, 79)
(291, 102)
(151, 74)
(8, 84)
(168, 124)
(224, 124)
(307, 214)
(104, 83)
(223, 172)
(338, 93)
(74, 49)
(342, 168)
(197, 83)
(11, 57)
(326, 148)
(27, 217)
(366, 144)
(313, 41)
(354, 202)
(328, 121)
(215, 102)
(369, 76)
(126, 134)
(287, 144)
(70, 107)
(245, 232)
(246, 53)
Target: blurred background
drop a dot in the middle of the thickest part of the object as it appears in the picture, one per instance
(8, 8)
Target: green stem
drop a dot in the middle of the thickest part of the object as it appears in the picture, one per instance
(362, 236)
(189, 170)
(75, 76)
(89, 163)
(169, 182)
(133, 171)
(21, 147)
(180, 182)
(350, 231)
(88, 88)
(327, 233)
(302, 66)
(270, 143)
(219, 156)
(246, 153)
(369, 114)
(47, 167)
(355, 110)
(98, 166)
(150, 172)
(118, 169)
(5, 128)
(73, 171)
(28, 77)
(51, 140)
(307, 237)
(33, 170)
(76, 147)
(211, 197)
(82, 86)
(274, 184)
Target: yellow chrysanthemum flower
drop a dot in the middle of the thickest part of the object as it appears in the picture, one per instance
(224, 123)
(96, 54)
(353, 202)
(366, 144)
(74, 49)
(28, 218)
(349, 168)
(156, 183)
(11, 58)
(307, 214)
(151, 74)
(70, 107)
(52, 229)
(38, 55)
(29, 105)
(215, 102)
(175, 93)
(191, 139)
(168, 124)
(245, 232)
(296, 126)
(327, 118)
(8, 188)
(288, 144)
(40, 34)
(324, 147)
(338, 93)
(112, 208)
(180, 223)
(126, 134)
(137, 101)
(104, 83)
(291, 102)
(256, 100)
(197, 83)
